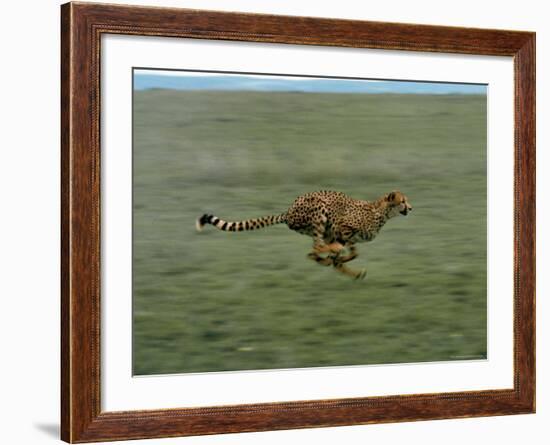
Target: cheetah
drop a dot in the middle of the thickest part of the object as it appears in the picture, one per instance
(335, 221)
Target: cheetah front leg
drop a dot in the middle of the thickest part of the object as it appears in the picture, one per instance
(334, 259)
(338, 263)
(333, 249)
(357, 274)
(323, 261)
(350, 256)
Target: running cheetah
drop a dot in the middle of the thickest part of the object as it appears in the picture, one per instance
(335, 221)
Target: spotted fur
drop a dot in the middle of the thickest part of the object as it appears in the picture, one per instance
(335, 221)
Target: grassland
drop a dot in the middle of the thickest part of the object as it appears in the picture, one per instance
(216, 301)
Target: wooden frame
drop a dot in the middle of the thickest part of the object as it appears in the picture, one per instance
(82, 26)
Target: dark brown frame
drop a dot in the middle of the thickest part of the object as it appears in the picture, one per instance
(82, 25)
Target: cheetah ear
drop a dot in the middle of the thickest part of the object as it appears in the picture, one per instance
(390, 197)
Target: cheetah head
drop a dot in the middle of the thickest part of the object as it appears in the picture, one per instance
(398, 203)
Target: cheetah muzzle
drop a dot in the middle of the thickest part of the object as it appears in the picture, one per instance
(335, 221)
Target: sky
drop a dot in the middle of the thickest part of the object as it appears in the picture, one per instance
(194, 80)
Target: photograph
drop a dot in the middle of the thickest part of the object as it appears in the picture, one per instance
(285, 221)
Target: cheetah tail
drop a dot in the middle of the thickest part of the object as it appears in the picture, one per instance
(239, 226)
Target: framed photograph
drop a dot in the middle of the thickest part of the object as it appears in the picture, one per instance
(274, 222)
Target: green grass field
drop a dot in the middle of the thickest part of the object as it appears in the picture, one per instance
(215, 301)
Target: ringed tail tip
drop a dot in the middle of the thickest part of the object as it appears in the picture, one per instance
(200, 222)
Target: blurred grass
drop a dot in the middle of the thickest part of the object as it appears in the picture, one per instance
(232, 301)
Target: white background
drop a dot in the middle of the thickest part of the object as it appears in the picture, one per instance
(29, 235)
(120, 392)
